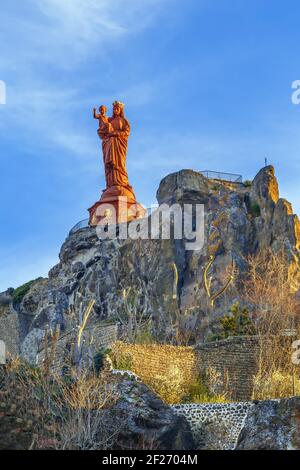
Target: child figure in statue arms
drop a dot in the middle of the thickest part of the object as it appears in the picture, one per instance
(104, 124)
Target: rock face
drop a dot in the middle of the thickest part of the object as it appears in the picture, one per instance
(272, 425)
(186, 186)
(138, 277)
(149, 423)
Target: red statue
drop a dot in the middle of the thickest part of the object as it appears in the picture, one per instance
(114, 132)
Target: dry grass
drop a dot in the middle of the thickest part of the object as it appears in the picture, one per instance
(270, 291)
(67, 413)
(170, 386)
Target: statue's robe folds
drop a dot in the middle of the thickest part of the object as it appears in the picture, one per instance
(114, 146)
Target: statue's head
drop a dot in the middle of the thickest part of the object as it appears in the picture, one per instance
(118, 108)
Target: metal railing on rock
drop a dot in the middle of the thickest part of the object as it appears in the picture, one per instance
(85, 222)
(228, 177)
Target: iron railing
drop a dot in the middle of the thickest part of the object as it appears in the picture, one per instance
(216, 175)
(82, 224)
(85, 222)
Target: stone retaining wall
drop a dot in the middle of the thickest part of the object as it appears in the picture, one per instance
(235, 361)
(95, 338)
(10, 333)
(215, 426)
(150, 361)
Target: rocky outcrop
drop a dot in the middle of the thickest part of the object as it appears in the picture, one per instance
(272, 425)
(185, 186)
(138, 276)
(264, 191)
(149, 424)
(276, 224)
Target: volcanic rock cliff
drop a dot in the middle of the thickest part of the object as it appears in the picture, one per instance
(159, 281)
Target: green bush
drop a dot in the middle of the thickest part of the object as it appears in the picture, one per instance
(255, 209)
(199, 392)
(21, 291)
(98, 360)
(122, 362)
(237, 323)
(247, 183)
(196, 389)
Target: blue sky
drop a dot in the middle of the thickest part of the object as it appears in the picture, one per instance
(207, 85)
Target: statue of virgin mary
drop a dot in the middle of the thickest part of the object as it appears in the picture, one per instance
(114, 146)
(119, 195)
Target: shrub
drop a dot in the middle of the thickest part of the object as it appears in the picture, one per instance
(279, 383)
(99, 359)
(208, 398)
(255, 209)
(47, 411)
(207, 388)
(169, 386)
(247, 183)
(236, 323)
(20, 292)
(121, 361)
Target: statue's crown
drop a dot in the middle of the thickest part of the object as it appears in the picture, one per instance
(119, 103)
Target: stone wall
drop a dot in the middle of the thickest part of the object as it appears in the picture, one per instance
(257, 425)
(152, 360)
(96, 338)
(2, 352)
(215, 426)
(236, 360)
(10, 333)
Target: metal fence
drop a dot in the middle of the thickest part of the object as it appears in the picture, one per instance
(85, 222)
(82, 224)
(216, 175)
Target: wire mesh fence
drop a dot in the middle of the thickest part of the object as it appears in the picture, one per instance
(216, 175)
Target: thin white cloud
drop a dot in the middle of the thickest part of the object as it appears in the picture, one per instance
(65, 32)
(49, 118)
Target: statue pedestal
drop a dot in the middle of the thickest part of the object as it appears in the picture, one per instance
(115, 210)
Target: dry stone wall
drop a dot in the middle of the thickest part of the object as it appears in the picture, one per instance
(10, 333)
(151, 360)
(215, 426)
(97, 338)
(235, 360)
